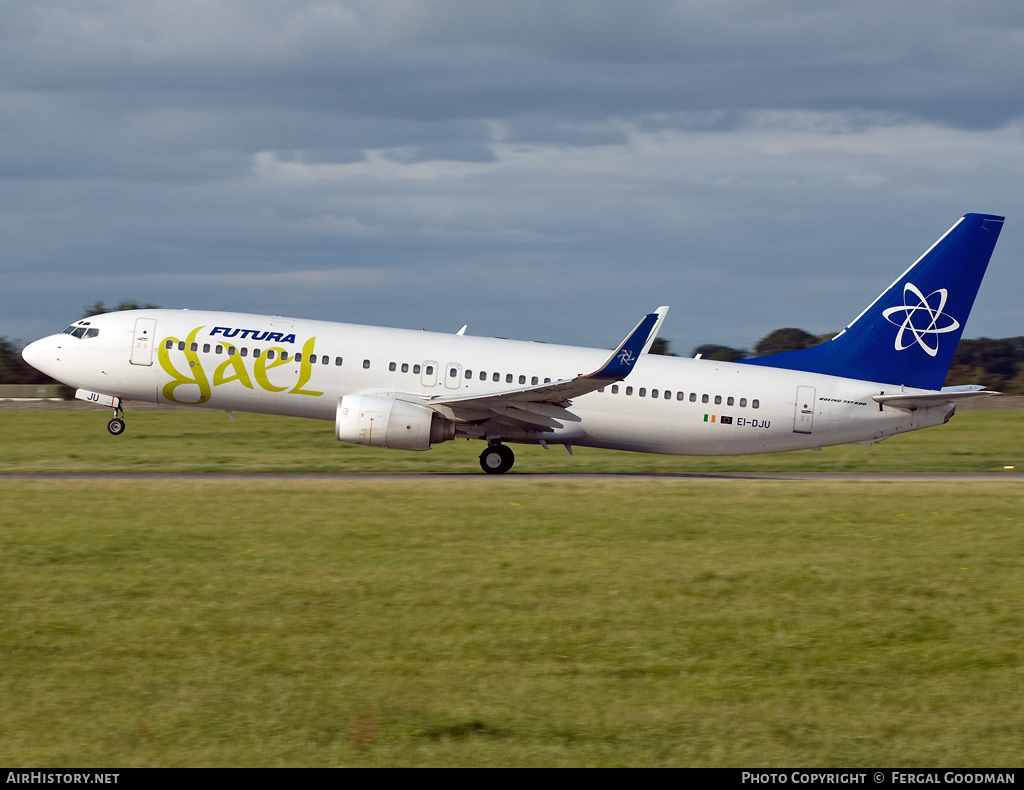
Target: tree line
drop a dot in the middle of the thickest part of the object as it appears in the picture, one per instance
(996, 363)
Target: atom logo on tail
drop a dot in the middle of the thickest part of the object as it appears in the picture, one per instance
(922, 320)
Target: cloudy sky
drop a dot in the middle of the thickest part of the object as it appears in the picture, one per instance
(539, 170)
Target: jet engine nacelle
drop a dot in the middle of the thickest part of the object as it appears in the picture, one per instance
(377, 421)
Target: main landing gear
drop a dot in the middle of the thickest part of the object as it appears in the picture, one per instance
(497, 459)
(116, 425)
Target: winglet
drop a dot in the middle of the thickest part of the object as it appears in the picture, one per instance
(637, 342)
(661, 312)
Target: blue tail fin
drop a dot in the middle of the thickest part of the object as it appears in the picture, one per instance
(908, 334)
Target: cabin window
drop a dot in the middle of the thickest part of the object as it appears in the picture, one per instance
(337, 362)
(755, 404)
(284, 355)
(169, 344)
(547, 381)
(693, 397)
(366, 366)
(243, 352)
(743, 402)
(615, 389)
(496, 377)
(194, 346)
(416, 369)
(430, 369)
(668, 394)
(643, 392)
(469, 373)
(522, 379)
(534, 380)
(600, 389)
(705, 399)
(255, 353)
(680, 395)
(718, 400)
(206, 348)
(654, 393)
(312, 359)
(392, 367)
(629, 390)
(298, 356)
(483, 376)
(231, 351)
(270, 353)
(730, 401)
(453, 372)
(219, 350)
(508, 378)
(405, 367)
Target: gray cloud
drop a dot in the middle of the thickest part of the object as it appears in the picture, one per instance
(539, 169)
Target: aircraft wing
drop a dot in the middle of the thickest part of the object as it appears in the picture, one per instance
(926, 400)
(541, 405)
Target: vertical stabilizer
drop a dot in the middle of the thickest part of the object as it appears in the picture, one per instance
(909, 334)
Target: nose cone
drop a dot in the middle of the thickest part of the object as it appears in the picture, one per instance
(39, 355)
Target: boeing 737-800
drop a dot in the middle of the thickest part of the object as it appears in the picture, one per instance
(403, 389)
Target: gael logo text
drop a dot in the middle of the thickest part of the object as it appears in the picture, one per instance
(233, 369)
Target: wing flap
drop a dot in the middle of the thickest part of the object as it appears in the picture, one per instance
(523, 417)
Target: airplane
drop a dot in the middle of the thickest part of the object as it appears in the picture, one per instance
(882, 375)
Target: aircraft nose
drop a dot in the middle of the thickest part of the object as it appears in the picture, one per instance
(38, 355)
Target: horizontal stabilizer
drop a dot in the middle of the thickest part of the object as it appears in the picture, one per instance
(928, 400)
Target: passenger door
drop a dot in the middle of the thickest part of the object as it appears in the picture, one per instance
(143, 341)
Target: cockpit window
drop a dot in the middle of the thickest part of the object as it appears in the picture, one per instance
(81, 330)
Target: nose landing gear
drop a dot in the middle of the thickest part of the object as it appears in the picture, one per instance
(497, 459)
(116, 425)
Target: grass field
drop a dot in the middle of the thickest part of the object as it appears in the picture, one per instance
(483, 621)
(198, 441)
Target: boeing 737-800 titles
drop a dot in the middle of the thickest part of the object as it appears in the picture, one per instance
(403, 389)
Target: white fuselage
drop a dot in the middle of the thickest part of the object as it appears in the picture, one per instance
(666, 404)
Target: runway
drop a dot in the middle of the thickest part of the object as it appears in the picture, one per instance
(522, 477)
